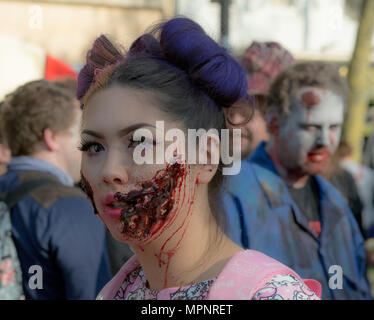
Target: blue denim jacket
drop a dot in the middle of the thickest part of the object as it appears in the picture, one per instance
(263, 216)
(55, 228)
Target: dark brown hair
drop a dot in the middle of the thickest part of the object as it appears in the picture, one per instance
(31, 109)
(314, 74)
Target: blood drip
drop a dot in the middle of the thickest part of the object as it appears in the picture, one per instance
(168, 254)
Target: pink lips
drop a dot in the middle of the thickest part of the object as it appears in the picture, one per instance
(108, 209)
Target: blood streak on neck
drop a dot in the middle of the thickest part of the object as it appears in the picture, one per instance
(183, 227)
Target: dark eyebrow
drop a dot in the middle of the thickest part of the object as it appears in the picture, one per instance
(93, 133)
(133, 127)
(121, 133)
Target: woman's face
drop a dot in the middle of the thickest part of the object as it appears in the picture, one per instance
(135, 202)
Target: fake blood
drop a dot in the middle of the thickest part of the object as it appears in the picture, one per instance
(310, 99)
(154, 208)
(145, 210)
(171, 252)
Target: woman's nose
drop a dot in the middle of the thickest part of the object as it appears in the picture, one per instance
(115, 172)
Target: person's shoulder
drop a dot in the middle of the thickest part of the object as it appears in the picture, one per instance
(49, 192)
(63, 203)
(284, 287)
(328, 190)
(57, 193)
(276, 281)
(250, 271)
(237, 183)
(8, 181)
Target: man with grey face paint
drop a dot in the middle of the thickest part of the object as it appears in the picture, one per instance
(291, 213)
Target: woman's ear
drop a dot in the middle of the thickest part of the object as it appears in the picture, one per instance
(208, 168)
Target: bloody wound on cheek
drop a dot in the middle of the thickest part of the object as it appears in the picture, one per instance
(151, 205)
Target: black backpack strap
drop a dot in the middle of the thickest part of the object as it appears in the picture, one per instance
(12, 197)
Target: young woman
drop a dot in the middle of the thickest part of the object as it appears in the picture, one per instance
(167, 210)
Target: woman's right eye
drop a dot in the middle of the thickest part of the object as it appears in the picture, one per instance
(91, 147)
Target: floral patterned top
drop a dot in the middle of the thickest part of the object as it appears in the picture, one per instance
(134, 287)
(130, 283)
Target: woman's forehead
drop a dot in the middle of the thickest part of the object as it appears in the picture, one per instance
(117, 107)
(121, 103)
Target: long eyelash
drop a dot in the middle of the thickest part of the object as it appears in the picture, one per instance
(85, 145)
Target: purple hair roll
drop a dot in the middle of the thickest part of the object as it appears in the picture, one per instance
(102, 54)
(145, 45)
(209, 65)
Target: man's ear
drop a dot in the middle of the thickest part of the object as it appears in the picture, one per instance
(51, 141)
(5, 154)
(272, 121)
(208, 170)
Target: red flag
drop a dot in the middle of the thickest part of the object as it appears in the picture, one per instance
(57, 70)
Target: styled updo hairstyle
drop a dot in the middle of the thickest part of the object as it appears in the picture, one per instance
(192, 77)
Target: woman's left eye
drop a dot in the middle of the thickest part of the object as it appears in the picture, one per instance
(91, 147)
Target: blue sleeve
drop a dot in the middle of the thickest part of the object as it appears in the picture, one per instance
(234, 220)
(361, 258)
(79, 246)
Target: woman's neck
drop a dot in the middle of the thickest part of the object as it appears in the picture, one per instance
(193, 249)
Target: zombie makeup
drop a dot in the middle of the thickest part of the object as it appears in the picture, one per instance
(311, 133)
(144, 212)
